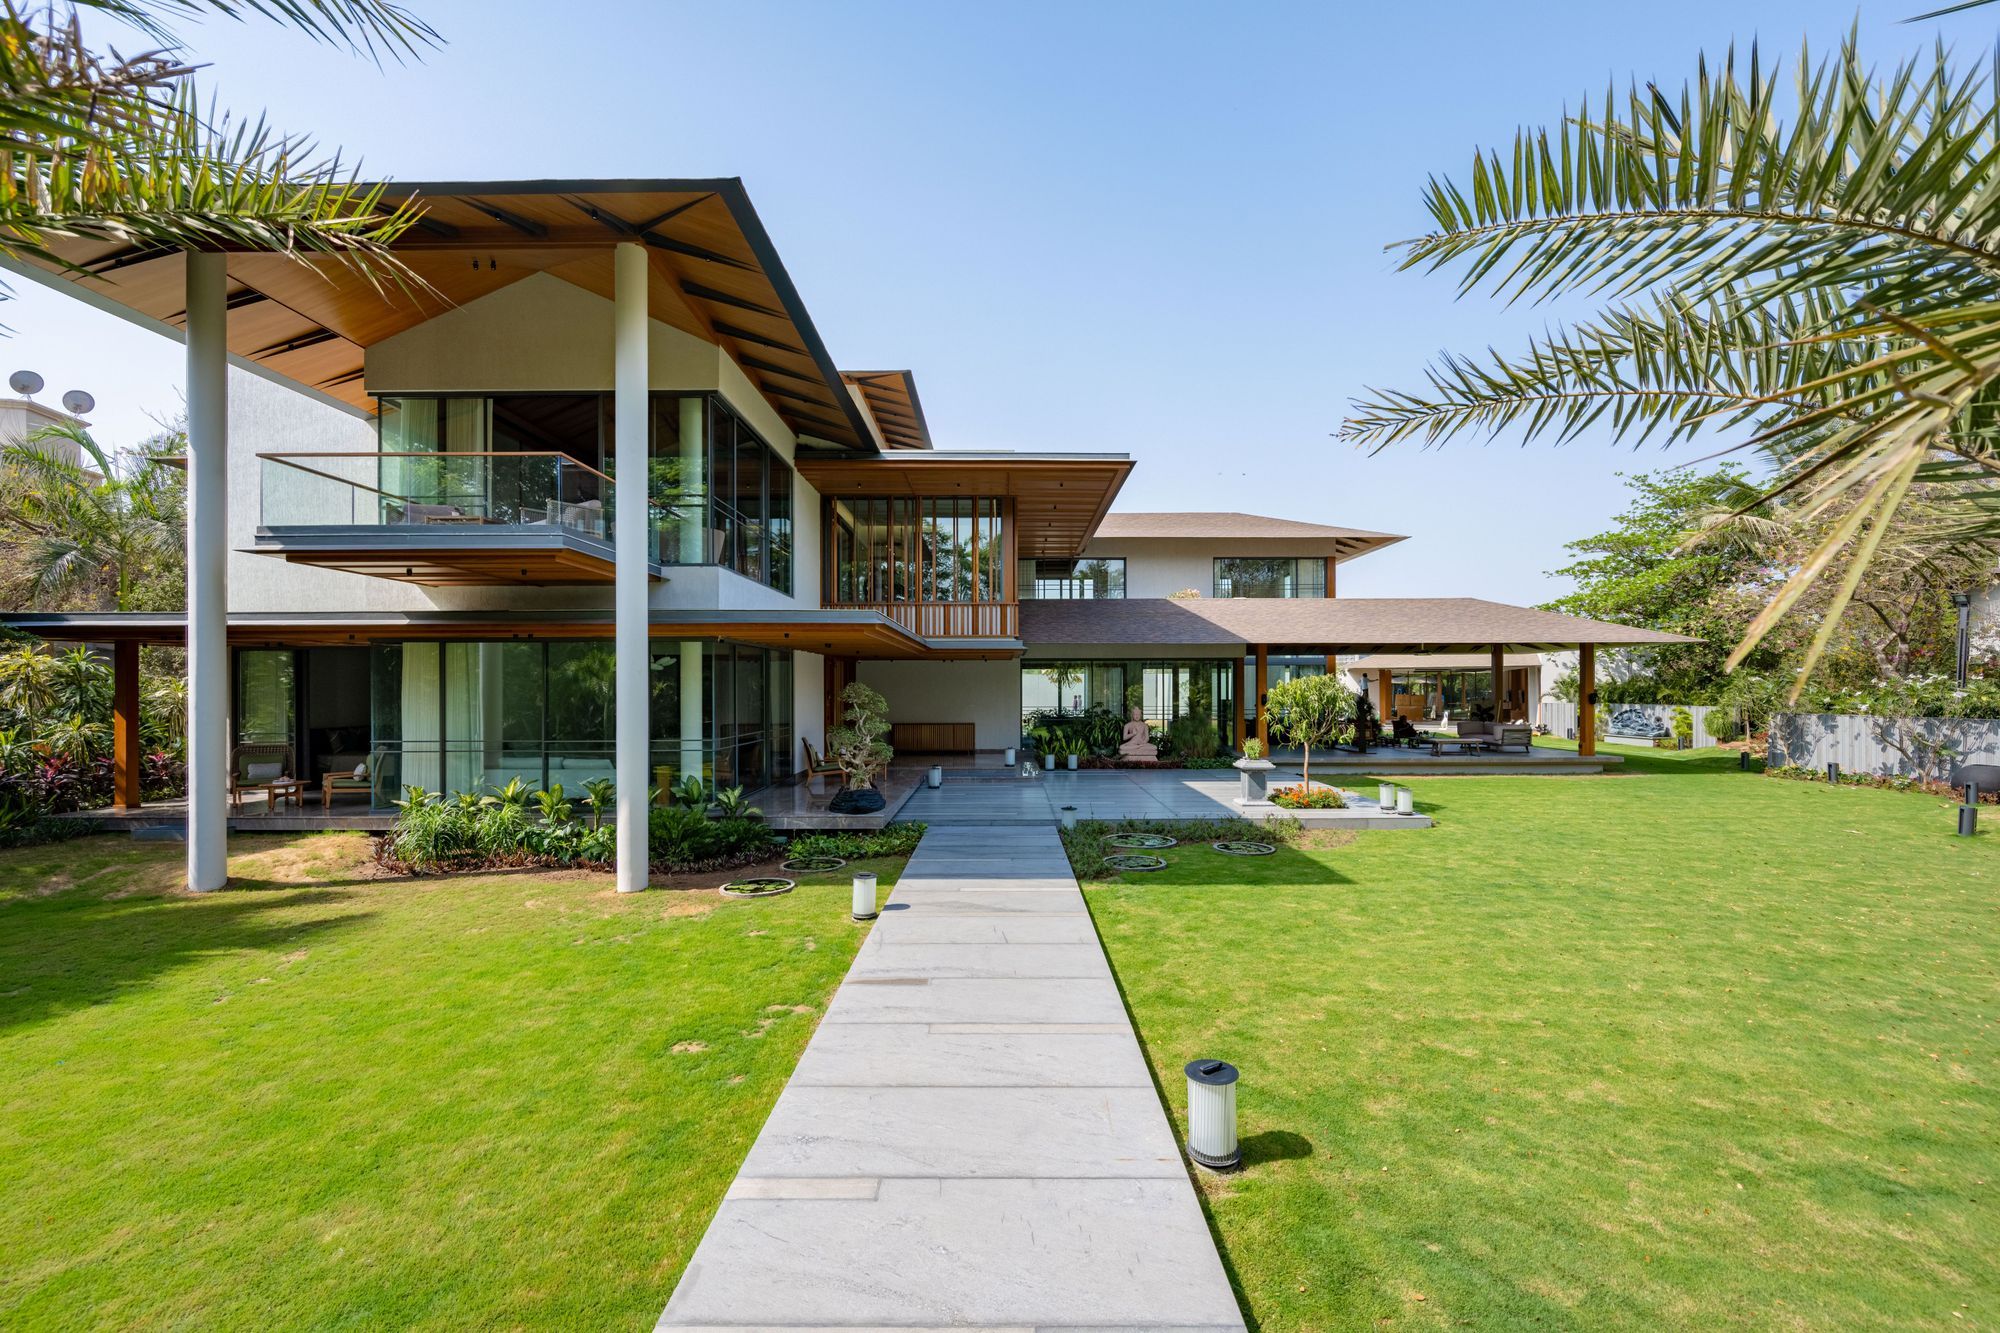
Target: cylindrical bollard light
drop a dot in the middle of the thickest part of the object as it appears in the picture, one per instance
(1010, 757)
(937, 775)
(1743, 760)
(1211, 1140)
(1968, 820)
(864, 895)
(1385, 796)
(1833, 773)
(1406, 804)
(1069, 816)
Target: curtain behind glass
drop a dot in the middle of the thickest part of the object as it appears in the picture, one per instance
(422, 724)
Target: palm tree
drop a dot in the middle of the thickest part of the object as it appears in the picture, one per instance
(118, 148)
(75, 535)
(1812, 265)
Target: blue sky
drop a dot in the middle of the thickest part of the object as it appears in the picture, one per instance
(1155, 228)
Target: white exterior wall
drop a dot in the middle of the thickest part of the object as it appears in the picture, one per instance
(986, 694)
(1160, 567)
(808, 703)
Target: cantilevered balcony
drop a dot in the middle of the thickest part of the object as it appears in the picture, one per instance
(442, 519)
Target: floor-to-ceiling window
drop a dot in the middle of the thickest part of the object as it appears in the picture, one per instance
(264, 696)
(928, 549)
(472, 715)
(1164, 691)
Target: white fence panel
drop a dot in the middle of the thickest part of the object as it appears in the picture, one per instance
(1630, 723)
(1890, 747)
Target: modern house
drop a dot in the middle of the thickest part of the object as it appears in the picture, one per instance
(594, 499)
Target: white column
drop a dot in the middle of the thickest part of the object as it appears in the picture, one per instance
(207, 572)
(632, 379)
(693, 735)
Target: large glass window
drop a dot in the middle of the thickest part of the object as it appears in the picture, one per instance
(1057, 580)
(1269, 576)
(933, 549)
(1192, 699)
(470, 716)
(719, 494)
(264, 696)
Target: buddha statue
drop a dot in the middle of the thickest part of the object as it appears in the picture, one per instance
(1137, 742)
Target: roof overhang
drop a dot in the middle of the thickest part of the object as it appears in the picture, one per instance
(441, 556)
(841, 633)
(1059, 499)
(891, 399)
(309, 321)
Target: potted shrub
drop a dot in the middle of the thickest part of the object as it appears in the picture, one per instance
(859, 751)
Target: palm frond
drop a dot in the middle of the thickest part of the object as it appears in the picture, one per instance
(373, 27)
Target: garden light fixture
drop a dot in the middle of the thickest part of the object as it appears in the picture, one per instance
(1385, 796)
(864, 895)
(1211, 1139)
(1406, 804)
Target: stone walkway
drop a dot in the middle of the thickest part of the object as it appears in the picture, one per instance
(972, 1139)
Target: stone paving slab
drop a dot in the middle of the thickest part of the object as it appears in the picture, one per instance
(972, 1139)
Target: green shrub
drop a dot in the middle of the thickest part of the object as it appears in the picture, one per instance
(431, 831)
(683, 839)
(1190, 737)
(1721, 725)
(895, 840)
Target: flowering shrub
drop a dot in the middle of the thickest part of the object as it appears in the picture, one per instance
(1301, 798)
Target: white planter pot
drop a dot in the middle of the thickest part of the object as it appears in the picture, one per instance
(1406, 804)
(1049, 762)
(1072, 763)
(1069, 816)
(1010, 757)
(1385, 796)
(937, 775)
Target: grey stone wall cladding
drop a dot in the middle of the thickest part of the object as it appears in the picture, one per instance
(1927, 748)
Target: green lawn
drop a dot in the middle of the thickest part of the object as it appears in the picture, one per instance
(1680, 1048)
(331, 1101)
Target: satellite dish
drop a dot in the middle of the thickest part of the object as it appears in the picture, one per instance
(76, 402)
(25, 382)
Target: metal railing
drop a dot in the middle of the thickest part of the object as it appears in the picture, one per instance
(359, 489)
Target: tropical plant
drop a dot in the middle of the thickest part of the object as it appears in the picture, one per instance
(119, 148)
(691, 792)
(731, 803)
(501, 828)
(857, 748)
(551, 806)
(515, 792)
(599, 794)
(1307, 711)
(80, 532)
(1816, 270)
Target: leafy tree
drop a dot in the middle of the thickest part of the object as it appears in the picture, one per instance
(1808, 265)
(1646, 572)
(119, 148)
(108, 533)
(1308, 711)
(858, 748)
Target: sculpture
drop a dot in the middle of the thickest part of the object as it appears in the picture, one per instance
(1137, 741)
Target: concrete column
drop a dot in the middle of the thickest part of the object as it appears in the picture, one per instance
(693, 734)
(1263, 685)
(631, 382)
(125, 725)
(1586, 699)
(208, 571)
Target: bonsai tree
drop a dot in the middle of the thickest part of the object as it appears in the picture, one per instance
(1308, 711)
(858, 748)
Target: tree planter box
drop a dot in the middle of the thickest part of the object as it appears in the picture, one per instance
(1255, 781)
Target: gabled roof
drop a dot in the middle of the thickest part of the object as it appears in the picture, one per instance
(1321, 624)
(1214, 525)
(715, 274)
(891, 398)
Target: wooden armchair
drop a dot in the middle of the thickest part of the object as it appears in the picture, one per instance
(817, 765)
(254, 767)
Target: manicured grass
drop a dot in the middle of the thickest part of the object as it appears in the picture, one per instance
(1680, 1048)
(327, 1101)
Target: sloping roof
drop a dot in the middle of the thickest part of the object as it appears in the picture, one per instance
(714, 273)
(1058, 497)
(891, 398)
(1215, 525)
(1437, 662)
(1362, 624)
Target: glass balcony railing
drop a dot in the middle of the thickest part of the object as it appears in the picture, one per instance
(512, 490)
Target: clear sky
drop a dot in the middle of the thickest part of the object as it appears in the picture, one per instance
(1148, 227)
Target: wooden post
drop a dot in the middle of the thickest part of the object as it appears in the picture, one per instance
(1263, 684)
(1586, 698)
(1329, 576)
(1499, 668)
(125, 725)
(1237, 733)
(1385, 691)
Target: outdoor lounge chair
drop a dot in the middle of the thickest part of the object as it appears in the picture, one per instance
(1499, 735)
(816, 766)
(261, 768)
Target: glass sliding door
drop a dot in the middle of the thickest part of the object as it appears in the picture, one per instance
(266, 696)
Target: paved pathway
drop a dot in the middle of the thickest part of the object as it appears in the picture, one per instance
(1097, 794)
(971, 1139)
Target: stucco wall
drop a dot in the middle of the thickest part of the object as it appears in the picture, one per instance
(1161, 568)
(986, 694)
